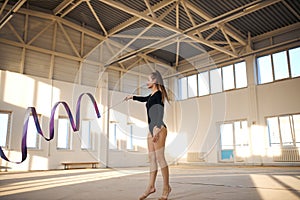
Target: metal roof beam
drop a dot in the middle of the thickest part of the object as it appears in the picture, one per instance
(207, 17)
(142, 37)
(165, 25)
(3, 6)
(69, 39)
(135, 19)
(149, 8)
(129, 43)
(61, 20)
(228, 39)
(233, 14)
(41, 50)
(183, 3)
(151, 59)
(61, 6)
(96, 17)
(70, 8)
(11, 12)
(127, 71)
(291, 9)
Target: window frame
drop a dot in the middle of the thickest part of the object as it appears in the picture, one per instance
(180, 87)
(233, 75)
(234, 136)
(90, 143)
(287, 53)
(69, 145)
(292, 129)
(188, 93)
(9, 127)
(113, 142)
(37, 135)
(235, 79)
(208, 83)
(258, 71)
(289, 61)
(221, 81)
(129, 139)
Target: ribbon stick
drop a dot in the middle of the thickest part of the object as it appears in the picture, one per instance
(32, 111)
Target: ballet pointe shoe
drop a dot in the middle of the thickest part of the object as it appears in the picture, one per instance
(165, 197)
(146, 194)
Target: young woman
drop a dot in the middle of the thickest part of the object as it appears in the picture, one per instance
(157, 133)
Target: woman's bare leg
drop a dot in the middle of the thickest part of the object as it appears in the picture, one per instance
(160, 156)
(153, 168)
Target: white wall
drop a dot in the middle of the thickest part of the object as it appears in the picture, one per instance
(18, 92)
(199, 117)
(134, 112)
(192, 123)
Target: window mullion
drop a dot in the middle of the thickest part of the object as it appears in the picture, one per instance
(289, 65)
(273, 70)
(234, 81)
(234, 141)
(197, 85)
(222, 79)
(291, 120)
(209, 83)
(279, 129)
(187, 87)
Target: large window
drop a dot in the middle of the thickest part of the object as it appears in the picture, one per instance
(130, 138)
(203, 83)
(4, 130)
(86, 137)
(240, 75)
(234, 141)
(284, 130)
(183, 88)
(227, 142)
(113, 132)
(228, 77)
(33, 138)
(265, 72)
(192, 85)
(281, 69)
(63, 134)
(278, 66)
(214, 81)
(294, 55)
(121, 138)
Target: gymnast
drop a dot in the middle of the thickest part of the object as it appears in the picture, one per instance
(157, 133)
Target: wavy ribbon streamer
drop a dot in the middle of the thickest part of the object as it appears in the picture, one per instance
(32, 111)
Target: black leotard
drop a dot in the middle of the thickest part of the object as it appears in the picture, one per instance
(155, 109)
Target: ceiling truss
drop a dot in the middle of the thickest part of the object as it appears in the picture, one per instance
(231, 45)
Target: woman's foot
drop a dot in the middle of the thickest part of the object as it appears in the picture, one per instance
(165, 194)
(147, 193)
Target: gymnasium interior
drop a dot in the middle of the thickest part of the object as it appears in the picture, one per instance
(231, 69)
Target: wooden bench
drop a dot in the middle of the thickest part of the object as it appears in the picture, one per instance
(68, 164)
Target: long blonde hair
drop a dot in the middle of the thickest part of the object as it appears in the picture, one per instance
(160, 85)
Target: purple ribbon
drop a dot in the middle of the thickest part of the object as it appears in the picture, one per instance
(32, 111)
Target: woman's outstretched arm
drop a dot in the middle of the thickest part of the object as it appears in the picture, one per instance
(137, 98)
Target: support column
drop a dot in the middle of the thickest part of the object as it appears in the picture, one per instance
(103, 140)
(252, 82)
(256, 129)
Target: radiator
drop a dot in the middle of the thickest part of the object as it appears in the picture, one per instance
(196, 156)
(288, 155)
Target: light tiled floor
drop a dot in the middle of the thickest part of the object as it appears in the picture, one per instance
(188, 183)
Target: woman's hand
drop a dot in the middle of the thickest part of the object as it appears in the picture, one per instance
(156, 131)
(128, 98)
